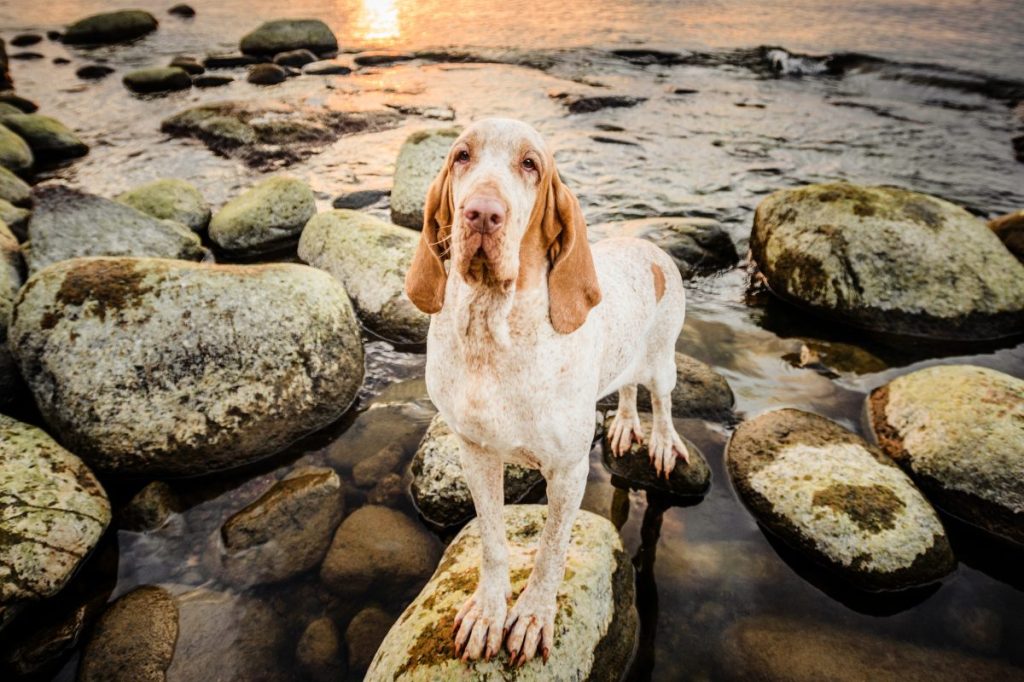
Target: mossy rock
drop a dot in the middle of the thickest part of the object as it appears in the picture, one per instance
(15, 154)
(15, 218)
(110, 27)
(158, 79)
(170, 199)
(827, 493)
(13, 188)
(634, 466)
(420, 158)
(265, 217)
(11, 279)
(284, 35)
(48, 138)
(959, 431)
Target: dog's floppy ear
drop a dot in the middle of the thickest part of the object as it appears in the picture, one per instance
(426, 279)
(573, 288)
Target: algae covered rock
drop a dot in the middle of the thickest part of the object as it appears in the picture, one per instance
(959, 431)
(203, 367)
(49, 139)
(827, 493)
(888, 260)
(13, 188)
(595, 626)
(370, 258)
(11, 279)
(419, 160)
(285, 35)
(110, 27)
(170, 199)
(270, 214)
(15, 154)
(158, 79)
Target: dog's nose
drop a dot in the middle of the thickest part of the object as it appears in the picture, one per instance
(484, 214)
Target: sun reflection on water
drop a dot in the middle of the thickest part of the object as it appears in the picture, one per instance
(377, 21)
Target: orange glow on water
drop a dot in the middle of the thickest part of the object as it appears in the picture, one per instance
(377, 22)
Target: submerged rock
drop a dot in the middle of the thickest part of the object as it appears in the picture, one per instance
(267, 74)
(586, 104)
(67, 224)
(370, 258)
(283, 35)
(15, 154)
(204, 367)
(382, 57)
(54, 512)
(888, 260)
(595, 626)
(228, 60)
(833, 358)
(49, 139)
(319, 652)
(150, 508)
(697, 245)
(420, 158)
(827, 493)
(265, 217)
(14, 189)
(170, 199)
(438, 487)
(1010, 230)
(959, 431)
(110, 27)
(635, 467)
(364, 634)
(158, 79)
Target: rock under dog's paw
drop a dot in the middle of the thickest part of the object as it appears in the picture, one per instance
(479, 626)
(664, 448)
(531, 627)
(623, 432)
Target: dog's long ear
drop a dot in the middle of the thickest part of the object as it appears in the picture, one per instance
(573, 288)
(426, 279)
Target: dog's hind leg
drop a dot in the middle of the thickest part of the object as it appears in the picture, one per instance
(625, 427)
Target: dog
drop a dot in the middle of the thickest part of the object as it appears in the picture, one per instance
(530, 326)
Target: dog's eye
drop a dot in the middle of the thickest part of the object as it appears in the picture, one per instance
(462, 156)
(529, 164)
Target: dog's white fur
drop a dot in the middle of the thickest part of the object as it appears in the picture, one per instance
(515, 363)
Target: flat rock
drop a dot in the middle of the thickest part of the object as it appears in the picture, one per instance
(14, 189)
(283, 35)
(182, 10)
(381, 57)
(264, 217)
(295, 58)
(420, 158)
(110, 27)
(204, 367)
(1010, 230)
(15, 154)
(827, 493)
(586, 104)
(357, 199)
(188, 64)
(266, 74)
(958, 430)
(92, 72)
(158, 79)
(370, 258)
(170, 199)
(438, 487)
(52, 513)
(326, 67)
(697, 245)
(67, 224)
(634, 466)
(888, 260)
(49, 139)
(26, 39)
(595, 626)
(211, 81)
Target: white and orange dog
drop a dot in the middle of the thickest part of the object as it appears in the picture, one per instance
(531, 326)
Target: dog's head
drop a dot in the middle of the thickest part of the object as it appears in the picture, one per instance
(499, 211)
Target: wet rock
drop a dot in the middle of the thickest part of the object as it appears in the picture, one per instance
(183, 11)
(326, 67)
(285, 532)
(153, 635)
(28, 56)
(158, 79)
(772, 648)
(267, 74)
(110, 27)
(359, 199)
(49, 139)
(54, 35)
(263, 218)
(283, 35)
(883, 259)
(204, 367)
(957, 430)
(364, 634)
(188, 65)
(378, 549)
(595, 626)
(438, 487)
(584, 104)
(295, 58)
(50, 638)
(399, 425)
(371, 470)
(15, 154)
(15, 218)
(700, 392)
(228, 60)
(319, 652)
(834, 358)
(5, 72)
(1010, 230)
(389, 491)
(382, 57)
(54, 513)
(67, 224)
(8, 109)
(827, 493)
(61, 61)
(16, 100)
(11, 280)
(635, 467)
(211, 81)
(370, 258)
(150, 508)
(14, 189)
(26, 39)
(92, 72)
(697, 245)
(170, 199)
(419, 160)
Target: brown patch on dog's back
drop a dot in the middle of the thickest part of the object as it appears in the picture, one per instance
(659, 282)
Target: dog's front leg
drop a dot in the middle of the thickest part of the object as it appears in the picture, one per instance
(531, 623)
(479, 624)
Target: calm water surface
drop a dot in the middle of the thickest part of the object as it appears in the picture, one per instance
(927, 105)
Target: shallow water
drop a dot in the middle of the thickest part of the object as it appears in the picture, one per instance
(934, 116)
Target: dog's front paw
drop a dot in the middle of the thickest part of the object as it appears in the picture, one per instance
(623, 432)
(530, 626)
(479, 625)
(664, 448)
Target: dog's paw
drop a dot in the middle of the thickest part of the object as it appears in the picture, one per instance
(664, 448)
(623, 432)
(531, 627)
(479, 625)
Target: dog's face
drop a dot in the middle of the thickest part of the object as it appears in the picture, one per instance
(499, 210)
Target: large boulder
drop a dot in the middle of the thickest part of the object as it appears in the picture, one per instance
(697, 245)
(153, 634)
(595, 626)
(959, 431)
(67, 224)
(110, 27)
(284, 35)
(370, 258)
(203, 367)
(54, 512)
(10, 281)
(888, 260)
(438, 486)
(170, 199)
(49, 139)
(15, 154)
(265, 217)
(827, 493)
(420, 158)
(687, 479)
